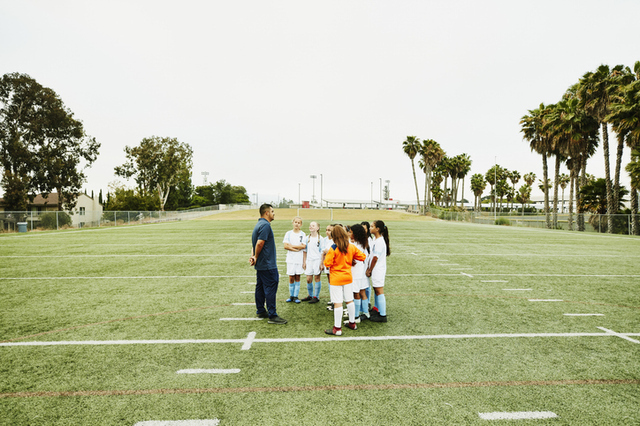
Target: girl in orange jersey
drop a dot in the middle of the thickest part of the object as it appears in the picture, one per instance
(339, 260)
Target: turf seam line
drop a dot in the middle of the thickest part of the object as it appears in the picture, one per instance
(371, 387)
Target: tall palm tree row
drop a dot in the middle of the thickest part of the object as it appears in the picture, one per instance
(411, 147)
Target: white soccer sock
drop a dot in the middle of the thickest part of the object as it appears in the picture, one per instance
(351, 311)
(337, 316)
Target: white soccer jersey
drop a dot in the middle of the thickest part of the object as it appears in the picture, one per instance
(294, 239)
(379, 250)
(358, 270)
(315, 246)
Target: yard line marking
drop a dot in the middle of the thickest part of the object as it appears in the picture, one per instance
(518, 415)
(402, 386)
(250, 338)
(466, 275)
(623, 336)
(209, 422)
(252, 284)
(242, 304)
(210, 371)
(451, 264)
(241, 319)
(583, 315)
(247, 292)
(158, 277)
(517, 289)
(494, 281)
(546, 300)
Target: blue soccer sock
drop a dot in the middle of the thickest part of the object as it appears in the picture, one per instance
(310, 288)
(318, 286)
(292, 288)
(371, 299)
(381, 303)
(364, 306)
(296, 289)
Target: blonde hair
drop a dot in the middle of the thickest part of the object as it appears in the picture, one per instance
(297, 217)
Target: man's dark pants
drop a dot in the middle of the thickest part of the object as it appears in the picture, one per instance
(266, 289)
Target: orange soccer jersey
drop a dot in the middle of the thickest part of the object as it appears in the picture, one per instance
(340, 264)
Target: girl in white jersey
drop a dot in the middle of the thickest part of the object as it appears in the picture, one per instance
(294, 244)
(378, 269)
(312, 263)
(359, 239)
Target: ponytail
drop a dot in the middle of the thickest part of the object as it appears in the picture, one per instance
(384, 231)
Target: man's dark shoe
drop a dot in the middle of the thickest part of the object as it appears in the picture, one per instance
(306, 299)
(263, 315)
(277, 320)
(314, 300)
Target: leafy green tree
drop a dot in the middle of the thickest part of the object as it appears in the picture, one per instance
(121, 198)
(42, 146)
(523, 196)
(157, 165)
(411, 146)
(594, 199)
(633, 168)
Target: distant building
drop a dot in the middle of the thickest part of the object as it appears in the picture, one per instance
(87, 211)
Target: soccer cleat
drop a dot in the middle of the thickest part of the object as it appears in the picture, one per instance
(295, 299)
(345, 314)
(356, 321)
(290, 299)
(314, 300)
(330, 308)
(378, 318)
(329, 303)
(351, 325)
(263, 315)
(306, 299)
(334, 332)
(277, 320)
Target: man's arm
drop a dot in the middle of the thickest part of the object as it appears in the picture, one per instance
(256, 253)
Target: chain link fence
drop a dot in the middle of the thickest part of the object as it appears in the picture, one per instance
(625, 224)
(56, 220)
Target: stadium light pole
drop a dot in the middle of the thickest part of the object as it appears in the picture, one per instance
(371, 194)
(388, 189)
(380, 193)
(256, 194)
(299, 202)
(495, 188)
(321, 199)
(313, 197)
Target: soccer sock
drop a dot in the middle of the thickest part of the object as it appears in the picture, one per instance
(381, 303)
(356, 307)
(373, 302)
(296, 288)
(318, 286)
(292, 289)
(310, 288)
(337, 317)
(351, 311)
(364, 306)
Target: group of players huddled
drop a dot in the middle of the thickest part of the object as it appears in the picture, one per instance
(354, 259)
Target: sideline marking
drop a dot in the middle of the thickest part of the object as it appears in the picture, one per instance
(583, 315)
(494, 281)
(518, 415)
(211, 371)
(466, 275)
(546, 300)
(249, 341)
(241, 319)
(623, 336)
(451, 385)
(211, 422)
(247, 292)
(517, 289)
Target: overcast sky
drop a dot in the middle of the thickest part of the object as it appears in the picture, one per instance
(268, 93)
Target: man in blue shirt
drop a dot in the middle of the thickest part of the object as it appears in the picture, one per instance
(263, 258)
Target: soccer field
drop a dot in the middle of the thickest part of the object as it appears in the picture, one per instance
(156, 323)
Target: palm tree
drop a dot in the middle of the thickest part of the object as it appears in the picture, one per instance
(431, 154)
(463, 166)
(594, 91)
(594, 200)
(411, 147)
(633, 168)
(436, 180)
(514, 177)
(563, 181)
(529, 179)
(478, 184)
(524, 196)
(539, 141)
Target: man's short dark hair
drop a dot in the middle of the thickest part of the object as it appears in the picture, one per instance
(264, 208)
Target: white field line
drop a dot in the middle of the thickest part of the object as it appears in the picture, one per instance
(210, 422)
(250, 339)
(518, 415)
(622, 336)
(546, 300)
(210, 371)
(156, 277)
(241, 319)
(466, 275)
(494, 281)
(583, 315)
(247, 292)
(517, 289)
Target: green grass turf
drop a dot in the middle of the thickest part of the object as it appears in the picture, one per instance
(175, 281)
